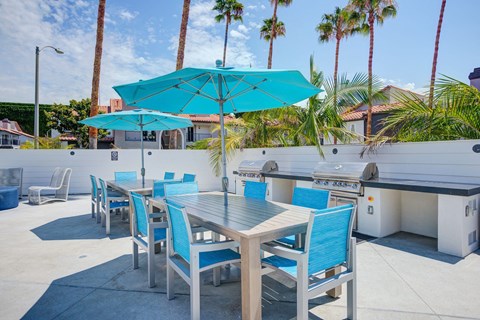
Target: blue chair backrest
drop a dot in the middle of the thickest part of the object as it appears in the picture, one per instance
(179, 226)
(180, 188)
(328, 237)
(169, 175)
(104, 191)
(311, 198)
(257, 190)
(125, 175)
(141, 215)
(93, 180)
(188, 177)
(159, 187)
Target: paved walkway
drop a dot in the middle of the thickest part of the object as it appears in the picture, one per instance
(57, 263)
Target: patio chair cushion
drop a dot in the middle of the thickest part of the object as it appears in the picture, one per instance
(8, 198)
(290, 240)
(212, 257)
(118, 204)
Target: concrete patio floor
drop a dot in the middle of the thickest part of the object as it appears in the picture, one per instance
(57, 263)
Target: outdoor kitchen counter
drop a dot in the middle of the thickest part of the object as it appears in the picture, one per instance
(303, 176)
(448, 188)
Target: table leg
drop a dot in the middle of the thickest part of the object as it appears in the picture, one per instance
(251, 279)
(335, 292)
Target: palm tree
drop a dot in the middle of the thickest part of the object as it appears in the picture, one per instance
(228, 10)
(266, 30)
(435, 54)
(375, 10)
(92, 132)
(273, 31)
(336, 26)
(455, 115)
(183, 34)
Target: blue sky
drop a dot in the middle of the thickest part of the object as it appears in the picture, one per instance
(141, 40)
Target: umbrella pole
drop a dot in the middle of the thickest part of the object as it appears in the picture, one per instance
(141, 143)
(222, 136)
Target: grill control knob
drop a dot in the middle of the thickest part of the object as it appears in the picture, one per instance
(354, 186)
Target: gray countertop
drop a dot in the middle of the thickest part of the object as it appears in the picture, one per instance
(450, 188)
(437, 187)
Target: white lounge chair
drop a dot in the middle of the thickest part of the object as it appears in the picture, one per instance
(59, 186)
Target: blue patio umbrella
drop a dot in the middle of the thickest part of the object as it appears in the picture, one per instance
(138, 120)
(218, 90)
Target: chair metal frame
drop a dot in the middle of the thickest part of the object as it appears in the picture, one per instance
(309, 285)
(59, 184)
(111, 200)
(145, 241)
(190, 270)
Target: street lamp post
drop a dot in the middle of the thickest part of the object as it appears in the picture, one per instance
(36, 125)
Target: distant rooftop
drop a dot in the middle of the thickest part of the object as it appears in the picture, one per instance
(475, 74)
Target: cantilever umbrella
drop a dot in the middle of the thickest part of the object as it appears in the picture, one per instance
(138, 120)
(218, 90)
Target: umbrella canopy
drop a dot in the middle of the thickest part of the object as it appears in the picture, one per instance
(138, 120)
(219, 91)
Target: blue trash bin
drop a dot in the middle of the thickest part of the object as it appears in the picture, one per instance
(8, 198)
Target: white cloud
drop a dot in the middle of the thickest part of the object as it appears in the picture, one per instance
(68, 76)
(254, 25)
(251, 7)
(242, 28)
(263, 7)
(403, 85)
(204, 42)
(127, 15)
(201, 14)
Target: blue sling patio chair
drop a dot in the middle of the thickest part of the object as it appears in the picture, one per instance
(328, 245)
(189, 258)
(256, 190)
(159, 187)
(125, 175)
(168, 175)
(111, 200)
(146, 234)
(175, 189)
(95, 198)
(309, 198)
(188, 177)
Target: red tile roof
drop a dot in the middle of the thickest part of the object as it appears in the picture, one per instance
(206, 118)
(360, 114)
(18, 133)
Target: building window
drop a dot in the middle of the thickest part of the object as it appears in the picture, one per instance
(135, 136)
(190, 134)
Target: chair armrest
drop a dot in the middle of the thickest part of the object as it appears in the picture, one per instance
(159, 225)
(283, 252)
(206, 247)
(156, 215)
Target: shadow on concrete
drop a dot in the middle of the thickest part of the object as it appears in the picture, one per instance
(113, 290)
(81, 227)
(416, 244)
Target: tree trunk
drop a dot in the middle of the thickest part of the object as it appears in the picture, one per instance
(335, 79)
(272, 34)
(226, 39)
(435, 54)
(93, 132)
(371, 21)
(183, 34)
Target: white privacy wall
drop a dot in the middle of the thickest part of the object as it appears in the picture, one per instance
(434, 161)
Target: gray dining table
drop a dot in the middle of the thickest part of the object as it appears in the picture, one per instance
(251, 222)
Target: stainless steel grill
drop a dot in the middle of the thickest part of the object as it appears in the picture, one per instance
(255, 168)
(344, 181)
(252, 170)
(344, 177)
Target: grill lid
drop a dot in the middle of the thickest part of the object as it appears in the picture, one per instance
(346, 170)
(257, 166)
